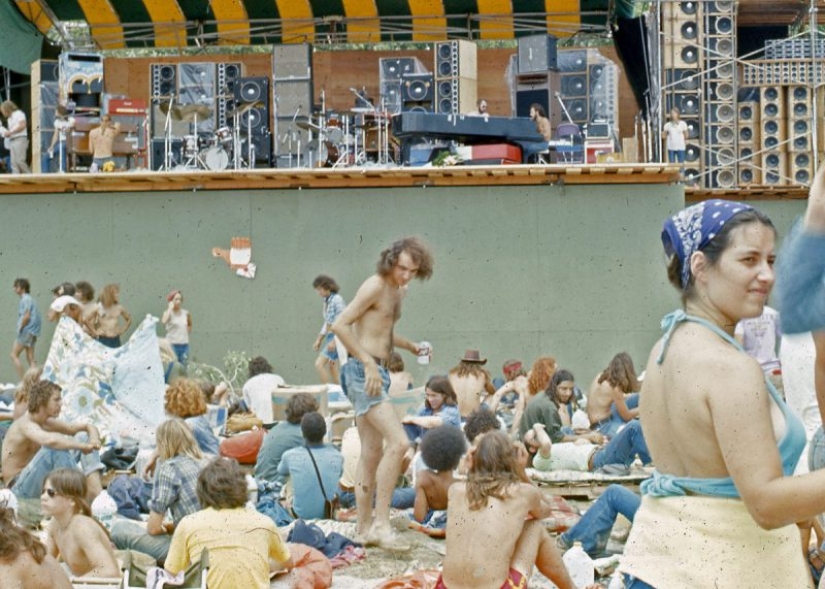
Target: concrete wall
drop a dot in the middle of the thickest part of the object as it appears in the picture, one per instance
(575, 272)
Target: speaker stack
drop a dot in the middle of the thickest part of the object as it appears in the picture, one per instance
(391, 72)
(800, 145)
(292, 87)
(773, 125)
(720, 128)
(750, 171)
(417, 92)
(539, 80)
(228, 76)
(456, 77)
(683, 84)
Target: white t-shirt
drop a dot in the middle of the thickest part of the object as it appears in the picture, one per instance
(257, 392)
(177, 327)
(676, 135)
(15, 119)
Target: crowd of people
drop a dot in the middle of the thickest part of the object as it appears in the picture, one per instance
(706, 415)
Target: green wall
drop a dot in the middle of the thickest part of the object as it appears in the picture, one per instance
(575, 272)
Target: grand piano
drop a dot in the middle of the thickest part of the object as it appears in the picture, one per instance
(437, 130)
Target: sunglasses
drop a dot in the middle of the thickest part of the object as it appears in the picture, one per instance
(51, 492)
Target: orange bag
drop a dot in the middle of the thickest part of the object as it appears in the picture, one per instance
(244, 447)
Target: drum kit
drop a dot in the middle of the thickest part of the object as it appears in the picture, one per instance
(207, 150)
(341, 139)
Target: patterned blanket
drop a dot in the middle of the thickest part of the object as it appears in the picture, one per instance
(118, 390)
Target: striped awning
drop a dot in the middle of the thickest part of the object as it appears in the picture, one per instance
(118, 24)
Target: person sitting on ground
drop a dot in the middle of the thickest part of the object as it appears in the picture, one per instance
(284, 436)
(511, 369)
(104, 322)
(257, 390)
(21, 395)
(244, 545)
(594, 527)
(184, 399)
(539, 375)
(403, 496)
(302, 465)
(513, 398)
(562, 389)
(440, 408)
(38, 443)
(470, 382)
(72, 534)
(24, 561)
(441, 448)
(179, 461)
(401, 381)
(494, 531)
(613, 399)
(480, 421)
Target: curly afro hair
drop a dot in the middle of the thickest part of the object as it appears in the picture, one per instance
(480, 421)
(442, 448)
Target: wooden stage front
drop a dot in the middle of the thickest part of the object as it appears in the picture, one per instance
(380, 177)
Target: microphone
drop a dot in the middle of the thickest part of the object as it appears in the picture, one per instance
(351, 89)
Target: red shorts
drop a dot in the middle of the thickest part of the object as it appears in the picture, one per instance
(514, 580)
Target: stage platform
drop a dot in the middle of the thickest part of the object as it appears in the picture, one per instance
(353, 177)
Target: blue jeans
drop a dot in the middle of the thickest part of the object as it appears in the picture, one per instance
(182, 352)
(610, 426)
(633, 583)
(623, 448)
(402, 498)
(127, 535)
(816, 450)
(28, 484)
(353, 381)
(676, 155)
(593, 529)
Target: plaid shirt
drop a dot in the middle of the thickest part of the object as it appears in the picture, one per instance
(333, 306)
(174, 488)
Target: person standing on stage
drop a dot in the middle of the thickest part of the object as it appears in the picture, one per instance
(102, 142)
(366, 328)
(17, 135)
(676, 132)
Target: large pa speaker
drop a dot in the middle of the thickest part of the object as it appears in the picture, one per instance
(159, 152)
(249, 90)
(688, 104)
(228, 76)
(749, 170)
(537, 54)
(774, 134)
(719, 47)
(772, 102)
(417, 88)
(292, 61)
(391, 96)
(682, 80)
(720, 91)
(456, 95)
(539, 89)
(394, 68)
(262, 146)
(681, 55)
(164, 80)
(574, 85)
(720, 112)
(456, 59)
(576, 108)
(774, 166)
(293, 96)
(721, 25)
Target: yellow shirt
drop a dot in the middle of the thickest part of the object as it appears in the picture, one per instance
(240, 544)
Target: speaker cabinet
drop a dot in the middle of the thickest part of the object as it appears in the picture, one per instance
(456, 59)
(391, 96)
(682, 80)
(724, 177)
(417, 88)
(159, 152)
(774, 167)
(720, 112)
(720, 91)
(537, 54)
(456, 95)
(164, 80)
(749, 170)
(576, 108)
(293, 96)
(772, 102)
(801, 166)
(574, 85)
(774, 134)
(249, 90)
(719, 25)
(395, 68)
(572, 61)
(719, 47)
(292, 61)
(681, 55)
(228, 76)
(688, 104)
(541, 89)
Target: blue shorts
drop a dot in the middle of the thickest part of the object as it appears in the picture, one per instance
(26, 340)
(109, 342)
(329, 338)
(353, 382)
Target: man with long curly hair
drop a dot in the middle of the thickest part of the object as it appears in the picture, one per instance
(494, 530)
(366, 327)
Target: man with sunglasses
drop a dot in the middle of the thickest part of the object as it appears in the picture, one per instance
(38, 443)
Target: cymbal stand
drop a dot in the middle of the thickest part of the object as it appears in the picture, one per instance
(250, 148)
(167, 137)
(195, 158)
(343, 157)
(237, 159)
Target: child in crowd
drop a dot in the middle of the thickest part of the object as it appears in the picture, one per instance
(104, 321)
(72, 534)
(441, 448)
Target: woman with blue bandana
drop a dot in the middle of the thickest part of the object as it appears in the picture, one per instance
(720, 509)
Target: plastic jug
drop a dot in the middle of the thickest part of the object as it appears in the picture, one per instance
(103, 509)
(579, 565)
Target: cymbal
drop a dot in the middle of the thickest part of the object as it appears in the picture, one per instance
(307, 125)
(242, 108)
(165, 106)
(189, 112)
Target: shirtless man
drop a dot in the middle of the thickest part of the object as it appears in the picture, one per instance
(38, 442)
(366, 328)
(541, 121)
(471, 382)
(104, 322)
(24, 563)
(442, 449)
(494, 531)
(102, 141)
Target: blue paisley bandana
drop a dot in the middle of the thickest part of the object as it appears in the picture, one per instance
(691, 229)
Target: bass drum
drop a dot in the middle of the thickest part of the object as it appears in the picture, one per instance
(215, 158)
(319, 154)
